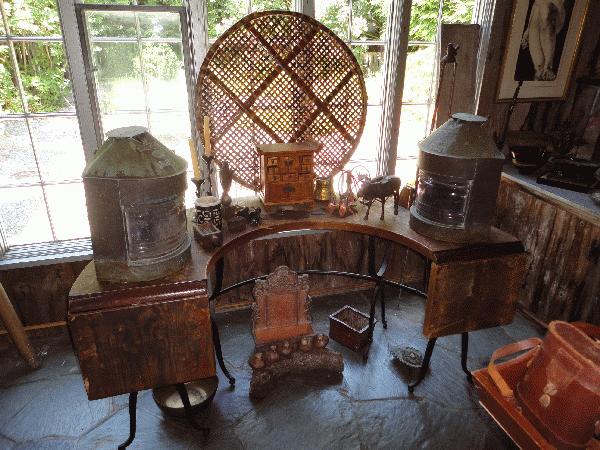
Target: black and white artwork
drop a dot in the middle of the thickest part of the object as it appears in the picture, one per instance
(542, 44)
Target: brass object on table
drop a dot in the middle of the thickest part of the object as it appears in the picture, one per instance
(200, 392)
(323, 189)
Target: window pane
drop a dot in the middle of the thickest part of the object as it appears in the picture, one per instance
(107, 2)
(124, 119)
(165, 77)
(406, 169)
(173, 130)
(10, 101)
(223, 14)
(160, 25)
(458, 11)
(110, 23)
(58, 147)
(367, 147)
(334, 14)
(413, 127)
(423, 20)
(44, 73)
(24, 217)
(266, 5)
(117, 72)
(420, 62)
(33, 17)
(369, 19)
(68, 211)
(370, 59)
(17, 162)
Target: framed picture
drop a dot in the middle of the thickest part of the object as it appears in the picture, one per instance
(541, 48)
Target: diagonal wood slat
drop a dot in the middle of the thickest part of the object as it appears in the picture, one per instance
(280, 76)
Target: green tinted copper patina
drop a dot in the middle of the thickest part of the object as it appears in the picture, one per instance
(132, 152)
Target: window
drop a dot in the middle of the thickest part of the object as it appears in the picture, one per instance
(362, 25)
(41, 155)
(138, 60)
(420, 76)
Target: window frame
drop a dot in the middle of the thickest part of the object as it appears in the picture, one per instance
(195, 34)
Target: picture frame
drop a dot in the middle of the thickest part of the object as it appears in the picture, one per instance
(541, 49)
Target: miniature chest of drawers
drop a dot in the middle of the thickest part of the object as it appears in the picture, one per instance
(287, 173)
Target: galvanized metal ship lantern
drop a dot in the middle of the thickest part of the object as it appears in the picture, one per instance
(457, 181)
(134, 189)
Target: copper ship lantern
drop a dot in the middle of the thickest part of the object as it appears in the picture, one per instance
(134, 189)
(458, 177)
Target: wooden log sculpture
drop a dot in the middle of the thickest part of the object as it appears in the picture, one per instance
(380, 188)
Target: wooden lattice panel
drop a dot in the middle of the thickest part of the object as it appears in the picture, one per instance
(280, 77)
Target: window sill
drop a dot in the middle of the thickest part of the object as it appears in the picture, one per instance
(46, 253)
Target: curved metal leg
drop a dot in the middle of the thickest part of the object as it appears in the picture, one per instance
(185, 399)
(464, 353)
(425, 365)
(382, 301)
(132, 420)
(219, 352)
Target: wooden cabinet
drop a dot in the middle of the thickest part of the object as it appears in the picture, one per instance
(131, 337)
(287, 173)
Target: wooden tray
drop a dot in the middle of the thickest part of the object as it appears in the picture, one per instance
(505, 413)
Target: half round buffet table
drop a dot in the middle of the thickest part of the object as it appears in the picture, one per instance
(134, 336)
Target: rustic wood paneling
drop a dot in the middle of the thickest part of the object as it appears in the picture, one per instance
(330, 250)
(39, 294)
(562, 275)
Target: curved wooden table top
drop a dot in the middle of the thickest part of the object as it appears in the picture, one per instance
(392, 228)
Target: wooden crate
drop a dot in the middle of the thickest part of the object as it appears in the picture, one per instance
(349, 327)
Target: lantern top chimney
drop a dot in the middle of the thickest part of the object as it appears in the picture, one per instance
(462, 136)
(132, 152)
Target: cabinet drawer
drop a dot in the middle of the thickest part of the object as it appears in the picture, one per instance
(271, 161)
(305, 176)
(274, 178)
(307, 159)
(306, 168)
(289, 177)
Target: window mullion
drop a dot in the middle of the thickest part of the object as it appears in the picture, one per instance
(305, 7)
(393, 85)
(89, 126)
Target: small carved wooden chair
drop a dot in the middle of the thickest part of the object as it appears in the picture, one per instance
(282, 307)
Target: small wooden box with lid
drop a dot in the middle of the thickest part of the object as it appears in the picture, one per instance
(287, 173)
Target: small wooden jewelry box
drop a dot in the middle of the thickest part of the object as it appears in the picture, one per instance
(287, 173)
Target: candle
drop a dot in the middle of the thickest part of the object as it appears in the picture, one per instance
(194, 155)
(207, 146)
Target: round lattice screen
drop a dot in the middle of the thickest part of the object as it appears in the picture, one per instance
(280, 76)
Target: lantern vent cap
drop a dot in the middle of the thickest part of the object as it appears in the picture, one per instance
(132, 152)
(462, 136)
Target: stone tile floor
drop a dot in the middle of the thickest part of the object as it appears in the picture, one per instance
(369, 408)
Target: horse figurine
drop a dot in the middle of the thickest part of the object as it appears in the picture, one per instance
(380, 188)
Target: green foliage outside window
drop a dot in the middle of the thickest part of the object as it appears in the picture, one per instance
(43, 66)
